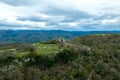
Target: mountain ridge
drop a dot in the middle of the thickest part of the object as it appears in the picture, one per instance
(31, 36)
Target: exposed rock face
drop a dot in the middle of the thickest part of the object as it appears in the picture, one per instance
(61, 42)
(75, 47)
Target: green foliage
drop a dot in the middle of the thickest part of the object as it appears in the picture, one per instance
(6, 58)
(25, 48)
(14, 75)
(33, 74)
(65, 56)
(94, 57)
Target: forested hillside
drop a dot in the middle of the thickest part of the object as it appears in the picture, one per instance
(90, 57)
(31, 36)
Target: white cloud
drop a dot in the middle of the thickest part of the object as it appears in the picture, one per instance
(69, 24)
(60, 14)
(110, 21)
(91, 6)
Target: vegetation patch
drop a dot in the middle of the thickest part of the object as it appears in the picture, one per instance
(90, 57)
(46, 48)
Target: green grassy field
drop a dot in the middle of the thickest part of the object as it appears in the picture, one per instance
(46, 48)
(21, 54)
(102, 34)
(39, 49)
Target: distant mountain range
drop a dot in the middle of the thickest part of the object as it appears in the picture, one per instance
(31, 36)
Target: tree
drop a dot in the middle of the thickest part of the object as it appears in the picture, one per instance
(15, 75)
(33, 74)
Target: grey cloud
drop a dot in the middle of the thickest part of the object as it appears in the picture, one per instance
(5, 23)
(52, 23)
(31, 18)
(52, 20)
(106, 16)
(19, 27)
(70, 15)
(91, 26)
(58, 11)
(12, 25)
(19, 2)
(99, 27)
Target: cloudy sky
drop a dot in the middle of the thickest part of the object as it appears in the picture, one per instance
(80, 15)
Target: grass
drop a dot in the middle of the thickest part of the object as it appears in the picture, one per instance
(40, 49)
(7, 50)
(46, 48)
(21, 54)
(102, 34)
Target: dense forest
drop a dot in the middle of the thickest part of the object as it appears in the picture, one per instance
(31, 36)
(90, 57)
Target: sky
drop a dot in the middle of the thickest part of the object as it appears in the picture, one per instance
(71, 15)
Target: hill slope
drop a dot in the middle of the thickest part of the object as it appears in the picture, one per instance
(74, 62)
